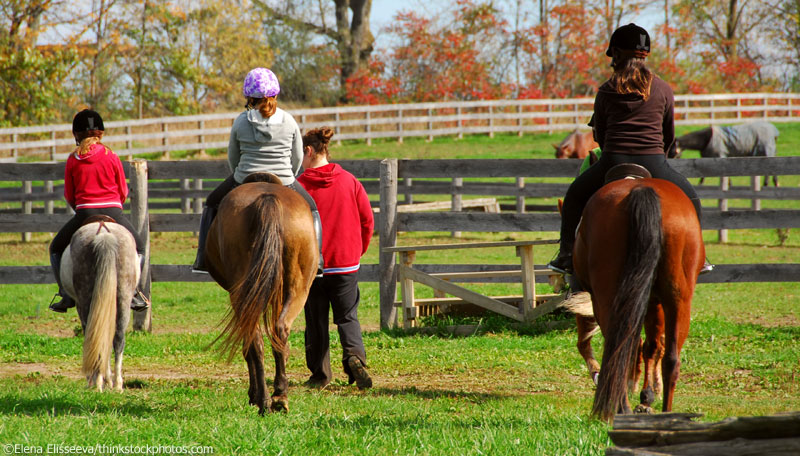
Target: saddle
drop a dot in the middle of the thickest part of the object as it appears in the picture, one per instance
(262, 177)
(627, 171)
(102, 219)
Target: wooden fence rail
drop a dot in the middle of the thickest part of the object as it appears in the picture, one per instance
(365, 123)
(175, 190)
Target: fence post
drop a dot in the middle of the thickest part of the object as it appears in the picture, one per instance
(388, 238)
(14, 151)
(400, 126)
(519, 119)
(201, 125)
(368, 129)
(128, 142)
(738, 108)
(491, 121)
(27, 205)
(460, 123)
(575, 111)
(711, 109)
(755, 185)
(140, 218)
(53, 147)
(520, 196)
(455, 201)
(48, 204)
(337, 128)
(549, 119)
(430, 125)
(164, 140)
(723, 206)
(766, 107)
(186, 202)
(408, 198)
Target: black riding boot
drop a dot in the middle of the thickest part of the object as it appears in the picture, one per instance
(563, 262)
(66, 301)
(140, 301)
(199, 265)
(318, 232)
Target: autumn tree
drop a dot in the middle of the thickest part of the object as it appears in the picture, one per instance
(349, 30)
(31, 76)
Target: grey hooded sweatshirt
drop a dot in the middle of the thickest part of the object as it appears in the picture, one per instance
(272, 145)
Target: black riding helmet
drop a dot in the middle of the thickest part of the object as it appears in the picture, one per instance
(629, 37)
(87, 120)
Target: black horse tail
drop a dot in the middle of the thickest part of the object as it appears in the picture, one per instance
(260, 293)
(630, 304)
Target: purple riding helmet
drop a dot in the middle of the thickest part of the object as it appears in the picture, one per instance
(260, 83)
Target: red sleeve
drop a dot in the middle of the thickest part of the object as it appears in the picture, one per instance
(122, 184)
(69, 185)
(365, 214)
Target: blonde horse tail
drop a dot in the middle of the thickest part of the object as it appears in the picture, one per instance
(101, 322)
(260, 293)
(623, 337)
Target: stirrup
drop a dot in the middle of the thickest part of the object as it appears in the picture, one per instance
(562, 264)
(707, 267)
(139, 301)
(61, 306)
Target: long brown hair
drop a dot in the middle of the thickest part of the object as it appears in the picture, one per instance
(266, 106)
(631, 75)
(318, 139)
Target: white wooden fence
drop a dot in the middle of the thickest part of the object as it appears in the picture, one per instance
(365, 123)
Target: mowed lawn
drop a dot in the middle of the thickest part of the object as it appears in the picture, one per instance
(503, 390)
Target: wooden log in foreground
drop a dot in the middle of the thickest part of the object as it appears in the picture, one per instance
(677, 434)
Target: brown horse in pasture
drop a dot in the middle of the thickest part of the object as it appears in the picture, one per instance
(638, 252)
(576, 145)
(262, 249)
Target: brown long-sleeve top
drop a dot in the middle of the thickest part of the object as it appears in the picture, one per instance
(629, 124)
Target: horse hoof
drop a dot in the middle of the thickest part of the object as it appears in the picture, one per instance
(643, 410)
(279, 406)
(595, 376)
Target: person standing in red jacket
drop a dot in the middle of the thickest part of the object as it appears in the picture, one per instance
(94, 184)
(347, 222)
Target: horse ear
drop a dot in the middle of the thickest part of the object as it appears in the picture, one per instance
(555, 146)
(560, 204)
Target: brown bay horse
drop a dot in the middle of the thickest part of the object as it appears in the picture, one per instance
(262, 249)
(638, 252)
(576, 145)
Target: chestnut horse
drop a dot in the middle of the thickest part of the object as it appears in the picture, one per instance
(262, 249)
(638, 252)
(576, 145)
(100, 270)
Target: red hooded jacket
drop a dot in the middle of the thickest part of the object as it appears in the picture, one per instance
(95, 180)
(346, 216)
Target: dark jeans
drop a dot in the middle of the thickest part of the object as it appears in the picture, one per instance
(593, 178)
(339, 292)
(216, 196)
(64, 236)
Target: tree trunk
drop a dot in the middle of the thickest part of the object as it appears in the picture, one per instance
(354, 38)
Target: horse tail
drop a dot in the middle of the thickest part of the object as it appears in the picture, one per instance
(101, 322)
(628, 310)
(260, 293)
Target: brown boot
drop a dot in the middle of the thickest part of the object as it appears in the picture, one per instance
(359, 373)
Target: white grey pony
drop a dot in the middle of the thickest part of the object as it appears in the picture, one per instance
(100, 271)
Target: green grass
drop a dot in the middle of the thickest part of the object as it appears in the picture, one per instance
(504, 390)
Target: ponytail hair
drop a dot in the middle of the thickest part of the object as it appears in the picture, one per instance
(266, 106)
(631, 75)
(87, 140)
(318, 139)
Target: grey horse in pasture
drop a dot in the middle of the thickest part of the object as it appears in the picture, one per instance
(100, 271)
(753, 139)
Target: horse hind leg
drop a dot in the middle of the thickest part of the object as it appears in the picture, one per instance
(257, 392)
(587, 326)
(652, 352)
(280, 398)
